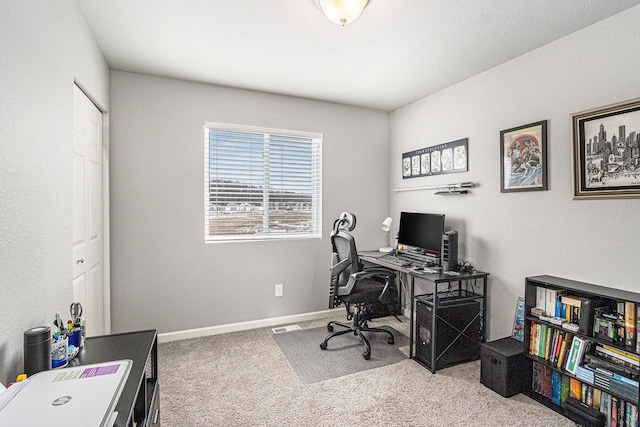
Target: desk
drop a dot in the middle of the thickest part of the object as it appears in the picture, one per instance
(139, 403)
(444, 291)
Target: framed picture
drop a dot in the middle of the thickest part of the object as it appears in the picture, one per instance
(523, 153)
(518, 321)
(450, 157)
(606, 151)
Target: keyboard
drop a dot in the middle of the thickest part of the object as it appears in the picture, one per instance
(395, 260)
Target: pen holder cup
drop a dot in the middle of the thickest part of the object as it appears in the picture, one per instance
(75, 339)
(59, 352)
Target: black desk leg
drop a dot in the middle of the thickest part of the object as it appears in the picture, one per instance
(411, 317)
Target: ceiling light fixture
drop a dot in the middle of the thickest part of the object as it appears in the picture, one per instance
(342, 12)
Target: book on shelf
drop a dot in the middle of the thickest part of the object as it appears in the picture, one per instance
(538, 312)
(621, 322)
(605, 406)
(532, 336)
(553, 354)
(625, 356)
(556, 388)
(575, 389)
(571, 300)
(630, 324)
(578, 346)
(621, 408)
(541, 297)
(633, 420)
(597, 397)
(565, 390)
(543, 340)
(637, 327)
(608, 368)
(541, 379)
(547, 344)
(564, 349)
(552, 297)
(625, 380)
(588, 400)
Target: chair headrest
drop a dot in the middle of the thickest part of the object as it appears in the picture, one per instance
(346, 221)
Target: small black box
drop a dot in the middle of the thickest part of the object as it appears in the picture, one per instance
(502, 366)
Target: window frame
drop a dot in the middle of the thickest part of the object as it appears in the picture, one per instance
(316, 170)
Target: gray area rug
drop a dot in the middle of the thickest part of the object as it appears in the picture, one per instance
(343, 355)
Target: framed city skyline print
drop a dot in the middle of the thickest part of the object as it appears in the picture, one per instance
(523, 155)
(606, 151)
(450, 157)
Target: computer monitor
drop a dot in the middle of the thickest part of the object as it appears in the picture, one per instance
(422, 231)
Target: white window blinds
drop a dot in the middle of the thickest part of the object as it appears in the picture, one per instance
(261, 183)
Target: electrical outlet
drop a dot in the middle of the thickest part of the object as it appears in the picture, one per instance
(279, 290)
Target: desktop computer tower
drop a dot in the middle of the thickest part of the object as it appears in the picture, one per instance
(453, 338)
(449, 252)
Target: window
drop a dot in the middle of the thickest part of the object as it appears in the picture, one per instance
(261, 183)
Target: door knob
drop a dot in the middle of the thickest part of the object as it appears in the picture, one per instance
(80, 261)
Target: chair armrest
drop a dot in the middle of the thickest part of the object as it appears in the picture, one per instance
(371, 272)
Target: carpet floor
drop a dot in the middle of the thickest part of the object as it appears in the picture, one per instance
(244, 379)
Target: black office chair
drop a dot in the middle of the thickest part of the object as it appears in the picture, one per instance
(358, 289)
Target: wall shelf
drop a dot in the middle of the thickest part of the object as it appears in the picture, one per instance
(450, 189)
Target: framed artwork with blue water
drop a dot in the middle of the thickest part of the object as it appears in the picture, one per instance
(523, 154)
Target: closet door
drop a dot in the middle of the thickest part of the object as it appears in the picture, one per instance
(88, 263)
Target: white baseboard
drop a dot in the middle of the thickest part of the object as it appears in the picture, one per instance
(243, 326)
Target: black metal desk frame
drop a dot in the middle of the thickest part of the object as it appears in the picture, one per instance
(465, 285)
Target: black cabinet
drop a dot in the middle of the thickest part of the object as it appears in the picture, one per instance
(139, 403)
(447, 332)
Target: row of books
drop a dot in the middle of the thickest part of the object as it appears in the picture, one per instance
(557, 387)
(610, 320)
(550, 344)
(563, 350)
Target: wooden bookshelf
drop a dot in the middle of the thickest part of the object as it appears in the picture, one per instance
(606, 369)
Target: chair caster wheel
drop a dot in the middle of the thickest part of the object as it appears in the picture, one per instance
(366, 355)
(323, 345)
(329, 328)
(390, 340)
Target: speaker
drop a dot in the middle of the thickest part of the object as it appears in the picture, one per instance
(453, 338)
(449, 252)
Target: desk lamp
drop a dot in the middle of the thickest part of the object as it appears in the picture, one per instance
(386, 227)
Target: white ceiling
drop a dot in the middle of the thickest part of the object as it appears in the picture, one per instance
(397, 52)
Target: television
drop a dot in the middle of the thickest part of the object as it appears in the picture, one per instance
(422, 232)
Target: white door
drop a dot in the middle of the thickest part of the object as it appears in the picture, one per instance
(88, 264)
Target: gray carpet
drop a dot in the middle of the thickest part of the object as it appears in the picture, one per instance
(244, 379)
(343, 355)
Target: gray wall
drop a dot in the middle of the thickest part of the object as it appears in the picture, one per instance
(44, 45)
(163, 275)
(515, 235)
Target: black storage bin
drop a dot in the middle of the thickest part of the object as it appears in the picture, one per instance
(583, 414)
(502, 366)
